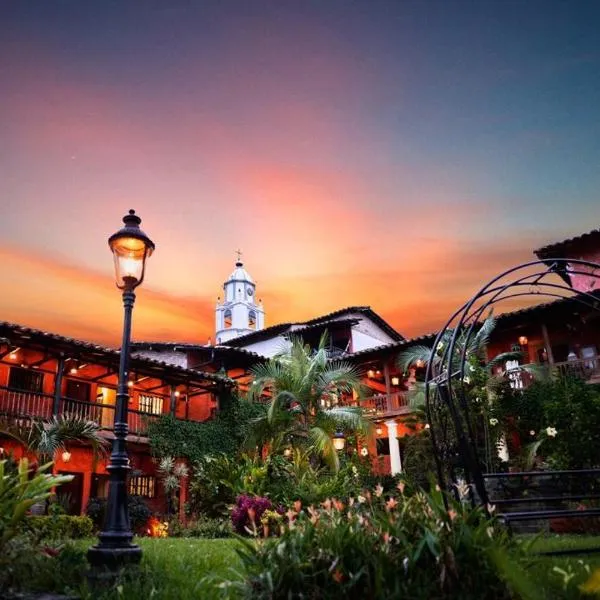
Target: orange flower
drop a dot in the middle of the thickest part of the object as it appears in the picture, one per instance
(391, 504)
(338, 576)
(297, 506)
(326, 504)
(452, 514)
(251, 515)
(338, 505)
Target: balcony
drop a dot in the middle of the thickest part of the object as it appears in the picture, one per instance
(586, 369)
(23, 405)
(383, 405)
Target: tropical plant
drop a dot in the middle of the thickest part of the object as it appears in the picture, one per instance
(172, 474)
(19, 491)
(46, 438)
(304, 387)
(386, 546)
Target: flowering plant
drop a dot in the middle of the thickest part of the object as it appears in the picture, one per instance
(247, 514)
(383, 546)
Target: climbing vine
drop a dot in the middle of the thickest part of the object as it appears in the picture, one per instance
(191, 440)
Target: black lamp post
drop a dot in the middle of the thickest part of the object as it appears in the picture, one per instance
(130, 247)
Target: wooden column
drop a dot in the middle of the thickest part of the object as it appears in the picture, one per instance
(547, 345)
(60, 367)
(386, 376)
(173, 405)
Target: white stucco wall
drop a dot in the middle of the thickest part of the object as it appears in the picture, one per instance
(269, 348)
(169, 356)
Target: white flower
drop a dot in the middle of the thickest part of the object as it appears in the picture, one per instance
(532, 432)
(467, 380)
(440, 346)
(493, 422)
(361, 499)
(427, 425)
(551, 432)
(364, 451)
(471, 368)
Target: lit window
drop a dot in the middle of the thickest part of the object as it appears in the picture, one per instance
(143, 485)
(252, 319)
(227, 318)
(152, 405)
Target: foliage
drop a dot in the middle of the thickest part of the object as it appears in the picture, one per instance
(27, 565)
(216, 481)
(247, 513)
(19, 491)
(171, 474)
(202, 527)
(378, 547)
(139, 512)
(419, 461)
(304, 387)
(557, 418)
(192, 441)
(46, 437)
(59, 527)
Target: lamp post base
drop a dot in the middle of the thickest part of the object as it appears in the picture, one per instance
(108, 562)
(114, 558)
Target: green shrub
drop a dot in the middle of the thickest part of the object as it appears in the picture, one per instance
(139, 512)
(19, 491)
(203, 527)
(59, 527)
(378, 547)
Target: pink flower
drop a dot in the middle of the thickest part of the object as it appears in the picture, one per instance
(401, 487)
(391, 504)
(379, 490)
(297, 506)
(452, 514)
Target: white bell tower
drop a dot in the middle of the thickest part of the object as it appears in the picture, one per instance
(238, 313)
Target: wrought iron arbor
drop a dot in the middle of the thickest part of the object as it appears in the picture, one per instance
(448, 411)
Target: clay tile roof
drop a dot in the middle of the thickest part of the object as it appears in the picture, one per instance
(141, 364)
(562, 249)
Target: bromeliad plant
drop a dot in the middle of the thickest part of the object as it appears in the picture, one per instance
(304, 388)
(19, 491)
(386, 546)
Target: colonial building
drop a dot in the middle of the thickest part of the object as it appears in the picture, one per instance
(44, 375)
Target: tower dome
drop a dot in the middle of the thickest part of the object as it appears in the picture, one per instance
(238, 313)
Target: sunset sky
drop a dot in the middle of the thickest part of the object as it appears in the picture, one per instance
(389, 153)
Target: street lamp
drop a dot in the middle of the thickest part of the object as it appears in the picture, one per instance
(130, 247)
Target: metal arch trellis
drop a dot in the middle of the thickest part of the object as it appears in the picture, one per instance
(446, 403)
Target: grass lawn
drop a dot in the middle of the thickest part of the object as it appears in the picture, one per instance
(179, 568)
(561, 576)
(191, 568)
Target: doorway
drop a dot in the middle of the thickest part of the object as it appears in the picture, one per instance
(107, 397)
(70, 493)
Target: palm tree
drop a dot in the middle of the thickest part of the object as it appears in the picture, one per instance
(304, 387)
(46, 438)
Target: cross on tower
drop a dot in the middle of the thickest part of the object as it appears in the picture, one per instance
(239, 255)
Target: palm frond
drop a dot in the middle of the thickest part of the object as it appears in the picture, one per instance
(479, 342)
(321, 444)
(503, 357)
(413, 355)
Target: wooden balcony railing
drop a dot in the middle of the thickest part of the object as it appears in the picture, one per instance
(17, 404)
(25, 404)
(380, 405)
(586, 369)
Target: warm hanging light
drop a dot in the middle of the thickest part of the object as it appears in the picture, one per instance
(395, 381)
(13, 354)
(130, 383)
(523, 341)
(370, 373)
(419, 363)
(177, 393)
(379, 430)
(339, 440)
(66, 456)
(130, 247)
